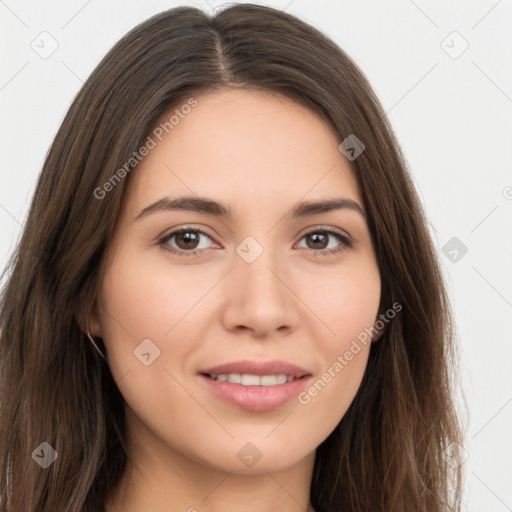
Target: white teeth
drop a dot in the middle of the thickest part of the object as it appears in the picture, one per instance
(253, 380)
(268, 380)
(281, 379)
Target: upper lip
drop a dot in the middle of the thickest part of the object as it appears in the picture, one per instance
(275, 367)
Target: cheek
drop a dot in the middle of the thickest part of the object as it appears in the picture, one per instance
(348, 306)
(346, 300)
(146, 299)
(143, 308)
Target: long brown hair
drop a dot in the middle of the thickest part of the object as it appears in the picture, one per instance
(389, 451)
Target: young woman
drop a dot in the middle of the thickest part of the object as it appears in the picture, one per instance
(226, 297)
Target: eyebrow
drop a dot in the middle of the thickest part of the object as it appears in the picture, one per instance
(214, 208)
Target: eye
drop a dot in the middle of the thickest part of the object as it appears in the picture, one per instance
(187, 242)
(320, 239)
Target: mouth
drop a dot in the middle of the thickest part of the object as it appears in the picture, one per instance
(254, 385)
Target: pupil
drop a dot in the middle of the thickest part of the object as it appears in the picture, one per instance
(188, 237)
(320, 238)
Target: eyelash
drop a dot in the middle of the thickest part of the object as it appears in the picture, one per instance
(346, 242)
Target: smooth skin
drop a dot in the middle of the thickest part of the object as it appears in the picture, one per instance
(298, 301)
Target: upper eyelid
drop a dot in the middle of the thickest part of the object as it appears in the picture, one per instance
(178, 230)
(323, 227)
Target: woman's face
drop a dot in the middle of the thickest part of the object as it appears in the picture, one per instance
(253, 290)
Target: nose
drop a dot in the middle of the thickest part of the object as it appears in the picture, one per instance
(259, 297)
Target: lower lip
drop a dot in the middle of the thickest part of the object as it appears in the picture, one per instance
(256, 398)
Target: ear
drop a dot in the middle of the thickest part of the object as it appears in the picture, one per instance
(378, 335)
(94, 321)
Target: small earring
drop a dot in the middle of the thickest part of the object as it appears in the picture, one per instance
(95, 346)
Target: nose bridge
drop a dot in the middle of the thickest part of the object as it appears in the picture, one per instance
(256, 265)
(259, 298)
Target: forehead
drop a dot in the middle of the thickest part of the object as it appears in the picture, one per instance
(244, 146)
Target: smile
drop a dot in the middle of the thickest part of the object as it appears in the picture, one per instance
(256, 386)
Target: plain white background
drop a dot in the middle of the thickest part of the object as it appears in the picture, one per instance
(451, 107)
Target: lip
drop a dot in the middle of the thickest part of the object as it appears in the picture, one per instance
(256, 398)
(260, 368)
